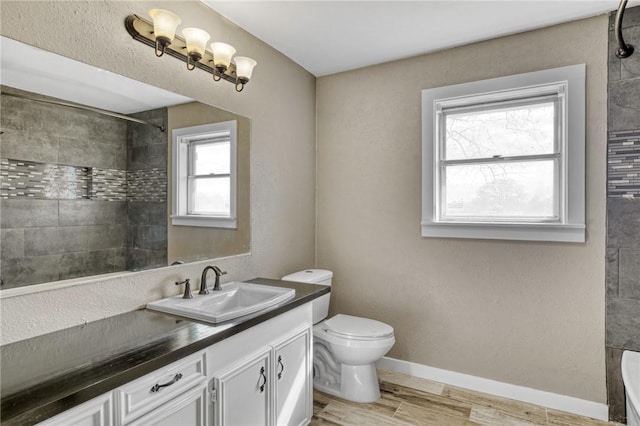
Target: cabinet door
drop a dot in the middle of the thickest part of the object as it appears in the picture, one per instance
(243, 392)
(292, 371)
(187, 409)
(96, 412)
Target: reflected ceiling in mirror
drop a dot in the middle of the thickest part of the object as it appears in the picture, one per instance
(83, 193)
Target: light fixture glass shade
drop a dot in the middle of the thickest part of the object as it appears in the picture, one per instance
(222, 54)
(164, 23)
(196, 41)
(244, 67)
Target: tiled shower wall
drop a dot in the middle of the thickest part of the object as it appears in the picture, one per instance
(64, 204)
(623, 209)
(147, 192)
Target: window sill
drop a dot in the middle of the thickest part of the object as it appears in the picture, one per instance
(205, 221)
(568, 233)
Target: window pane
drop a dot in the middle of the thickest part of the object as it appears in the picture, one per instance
(211, 196)
(212, 157)
(510, 131)
(508, 189)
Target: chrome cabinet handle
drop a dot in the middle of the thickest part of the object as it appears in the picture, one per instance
(263, 377)
(281, 366)
(157, 387)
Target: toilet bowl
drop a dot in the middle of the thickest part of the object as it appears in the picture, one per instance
(631, 379)
(345, 347)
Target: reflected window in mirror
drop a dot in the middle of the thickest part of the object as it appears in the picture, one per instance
(204, 170)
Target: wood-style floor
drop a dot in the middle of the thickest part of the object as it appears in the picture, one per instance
(407, 400)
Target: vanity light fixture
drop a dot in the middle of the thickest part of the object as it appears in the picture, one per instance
(161, 35)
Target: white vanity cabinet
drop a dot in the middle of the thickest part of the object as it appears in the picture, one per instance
(179, 388)
(294, 380)
(263, 376)
(260, 376)
(96, 412)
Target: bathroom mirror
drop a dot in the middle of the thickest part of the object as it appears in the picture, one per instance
(83, 193)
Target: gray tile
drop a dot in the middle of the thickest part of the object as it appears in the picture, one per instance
(100, 262)
(108, 131)
(138, 212)
(73, 238)
(137, 158)
(614, 62)
(630, 66)
(158, 213)
(137, 259)
(630, 274)
(73, 265)
(624, 105)
(120, 259)
(86, 212)
(28, 146)
(120, 212)
(30, 270)
(26, 213)
(12, 243)
(107, 237)
(158, 156)
(41, 241)
(615, 386)
(89, 153)
(63, 122)
(623, 223)
(612, 275)
(12, 111)
(631, 18)
(156, 259)
(623, 324)
(107, 156)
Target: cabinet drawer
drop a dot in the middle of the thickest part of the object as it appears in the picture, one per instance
(149, 392)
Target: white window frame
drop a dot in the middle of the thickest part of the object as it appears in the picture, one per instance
(182, 140)
(568, 83)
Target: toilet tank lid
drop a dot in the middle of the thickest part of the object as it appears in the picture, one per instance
(309, 276)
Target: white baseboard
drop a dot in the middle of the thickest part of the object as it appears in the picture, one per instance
(519, 393)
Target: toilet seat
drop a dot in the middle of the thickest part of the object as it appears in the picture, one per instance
(357, 328)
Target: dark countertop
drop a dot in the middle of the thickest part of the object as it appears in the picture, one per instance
(46, 375)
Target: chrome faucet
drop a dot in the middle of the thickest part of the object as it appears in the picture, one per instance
(203, 280)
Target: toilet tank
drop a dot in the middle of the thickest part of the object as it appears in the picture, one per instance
(315, 276)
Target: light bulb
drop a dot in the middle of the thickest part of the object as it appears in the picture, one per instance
(244, 67)
(164, 23)
(222, 54)
(196, 43)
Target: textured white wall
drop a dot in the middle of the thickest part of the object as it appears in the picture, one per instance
(530, 314)
(280, 101)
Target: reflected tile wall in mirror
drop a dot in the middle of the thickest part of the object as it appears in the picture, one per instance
(66, 208)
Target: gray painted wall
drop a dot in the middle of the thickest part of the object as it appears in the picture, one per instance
(623, 209)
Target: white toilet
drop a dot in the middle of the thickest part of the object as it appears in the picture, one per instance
(345, 348)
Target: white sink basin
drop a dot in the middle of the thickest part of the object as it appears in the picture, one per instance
(236, 299)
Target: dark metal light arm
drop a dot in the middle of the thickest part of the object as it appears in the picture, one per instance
(142, 30)
(624, 50)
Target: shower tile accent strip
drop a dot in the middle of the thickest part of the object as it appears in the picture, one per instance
(624, 164)
(147, 185)
(27, 179)
(108, 184)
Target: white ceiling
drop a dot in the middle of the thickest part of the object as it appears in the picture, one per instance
(327, 37)
(53, 75)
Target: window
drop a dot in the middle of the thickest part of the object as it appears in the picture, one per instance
(204, 175)
(504, 158)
